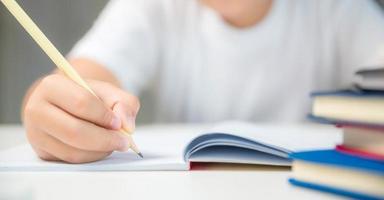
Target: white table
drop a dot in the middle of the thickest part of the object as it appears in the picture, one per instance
(222, 182)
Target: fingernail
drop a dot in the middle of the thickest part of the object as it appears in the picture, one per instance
(116, 122)
(131, 123)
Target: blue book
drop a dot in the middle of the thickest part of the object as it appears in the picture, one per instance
(335, 158)
(338, 173)
(342, 123)
(349, 93)
(348, 107)
(333, 190)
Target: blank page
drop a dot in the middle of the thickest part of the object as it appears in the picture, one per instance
(291, 137)
(162, 151)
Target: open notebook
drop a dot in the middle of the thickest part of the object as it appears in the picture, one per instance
(175, 149)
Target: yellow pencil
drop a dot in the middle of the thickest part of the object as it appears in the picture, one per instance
(52, 52)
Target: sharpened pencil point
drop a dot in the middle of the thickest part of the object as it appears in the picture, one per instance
(140, 154)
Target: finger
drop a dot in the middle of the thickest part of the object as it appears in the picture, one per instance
(33, 136)
(45, 155)
(128, 121)
(126, 106)
(79, 102)
(79, 133)
(67, 153)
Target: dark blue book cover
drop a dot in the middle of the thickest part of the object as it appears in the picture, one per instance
(338, 159)
(333, 190)
(350, 93)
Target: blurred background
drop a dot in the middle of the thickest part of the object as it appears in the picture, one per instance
(22, 61)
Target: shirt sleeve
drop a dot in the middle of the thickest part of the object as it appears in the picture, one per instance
(360, 36)
(123, 40)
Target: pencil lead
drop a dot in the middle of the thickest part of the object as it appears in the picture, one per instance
(140, 154)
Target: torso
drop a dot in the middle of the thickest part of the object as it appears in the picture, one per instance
(215, 72)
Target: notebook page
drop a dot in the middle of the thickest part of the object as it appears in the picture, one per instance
(162, 149)
(289, 137)
(230, 154)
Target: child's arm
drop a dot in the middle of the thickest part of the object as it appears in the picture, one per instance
(65, 122)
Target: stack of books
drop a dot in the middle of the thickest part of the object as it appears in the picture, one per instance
(354, 168)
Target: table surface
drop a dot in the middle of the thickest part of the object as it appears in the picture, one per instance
(213, 181)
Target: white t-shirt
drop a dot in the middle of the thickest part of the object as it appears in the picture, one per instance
(204, 70)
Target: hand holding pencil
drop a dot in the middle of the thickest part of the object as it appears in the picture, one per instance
(70, 119)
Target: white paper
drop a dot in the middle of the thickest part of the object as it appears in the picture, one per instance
(161, 152)
(291, 137)
(163, 148)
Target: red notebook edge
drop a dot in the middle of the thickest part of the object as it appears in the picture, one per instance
(359, 153)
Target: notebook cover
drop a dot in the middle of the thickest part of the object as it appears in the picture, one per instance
(360, 153)
(335, 158)
(333, 190)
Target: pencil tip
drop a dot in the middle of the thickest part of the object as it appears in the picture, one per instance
(140, 154)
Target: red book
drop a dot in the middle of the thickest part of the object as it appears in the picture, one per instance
(363, 141)
(360, 153)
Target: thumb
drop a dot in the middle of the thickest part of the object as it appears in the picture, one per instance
(128, 119)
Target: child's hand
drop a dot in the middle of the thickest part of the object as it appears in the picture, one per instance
(66, 122)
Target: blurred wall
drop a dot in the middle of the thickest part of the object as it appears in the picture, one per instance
(21, 60)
